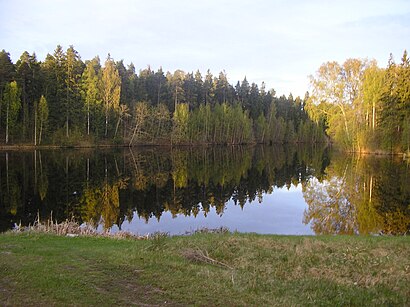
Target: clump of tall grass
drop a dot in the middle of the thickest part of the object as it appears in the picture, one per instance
(219, 230)
(71, 228)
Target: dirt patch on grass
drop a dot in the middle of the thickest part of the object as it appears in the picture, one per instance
(123, 283)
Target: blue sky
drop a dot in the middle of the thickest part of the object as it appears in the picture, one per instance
(279, 42)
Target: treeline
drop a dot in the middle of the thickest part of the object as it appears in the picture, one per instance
(66, 101)
(363, 107)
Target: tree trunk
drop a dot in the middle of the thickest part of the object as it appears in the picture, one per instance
(106, 122)
(35, 124)
(345, 122)
(41, 133)
(176, 98)
(88, 118)
(7, 122)
(133, 134)
(116, 127)
(24, 109)
(159, 91)
(66, 123)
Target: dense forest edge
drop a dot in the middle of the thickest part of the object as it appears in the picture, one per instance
(64, 101)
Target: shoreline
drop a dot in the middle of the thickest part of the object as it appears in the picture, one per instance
(16, 147)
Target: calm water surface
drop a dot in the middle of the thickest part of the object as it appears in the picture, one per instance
(271, 189)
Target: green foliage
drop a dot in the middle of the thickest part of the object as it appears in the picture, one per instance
(91, 95)
(110, 89)
(180, 124)
(364, 107)
(7, 70)
(260, 128)
(7, 73)
(357, 105)
(11, 107)
(97, 103)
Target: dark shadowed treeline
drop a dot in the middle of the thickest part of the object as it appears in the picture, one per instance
(67, 101)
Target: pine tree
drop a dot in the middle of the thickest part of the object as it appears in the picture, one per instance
(7, 73)
(74, 69)
(28, 79)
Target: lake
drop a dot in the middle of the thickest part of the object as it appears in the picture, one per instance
(294, 190)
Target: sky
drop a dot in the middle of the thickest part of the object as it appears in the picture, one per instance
(280, 42)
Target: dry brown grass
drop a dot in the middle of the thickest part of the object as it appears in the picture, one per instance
(71, 228)
(198, 255)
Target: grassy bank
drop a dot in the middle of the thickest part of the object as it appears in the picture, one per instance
(204, 269)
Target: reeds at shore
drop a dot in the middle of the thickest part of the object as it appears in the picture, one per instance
(71, 228)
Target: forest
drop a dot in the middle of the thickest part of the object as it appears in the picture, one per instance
(70, 102)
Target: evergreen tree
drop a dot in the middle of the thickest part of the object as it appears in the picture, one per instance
(222, 88)
(7, 72)
(389, 107)
(73, 103)
(54, 87)
(209, 88)
(175, 84)
(403, 84)
(29, 81)
(160, 82)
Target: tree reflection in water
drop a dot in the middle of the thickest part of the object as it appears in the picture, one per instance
(344, 195)
(360, 195)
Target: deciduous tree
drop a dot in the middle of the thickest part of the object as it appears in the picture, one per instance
(12, 105)
(110, 88)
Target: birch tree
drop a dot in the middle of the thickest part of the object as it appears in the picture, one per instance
(110, 89)
(141, 114)
(42, 115)
(90, 90)
(12, 105)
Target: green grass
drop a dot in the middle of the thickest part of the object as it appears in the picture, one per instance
(204, 269)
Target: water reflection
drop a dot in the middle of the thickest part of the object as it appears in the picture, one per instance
(114, 187)
(360, 195)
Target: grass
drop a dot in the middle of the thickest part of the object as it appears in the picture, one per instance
(204, 269)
